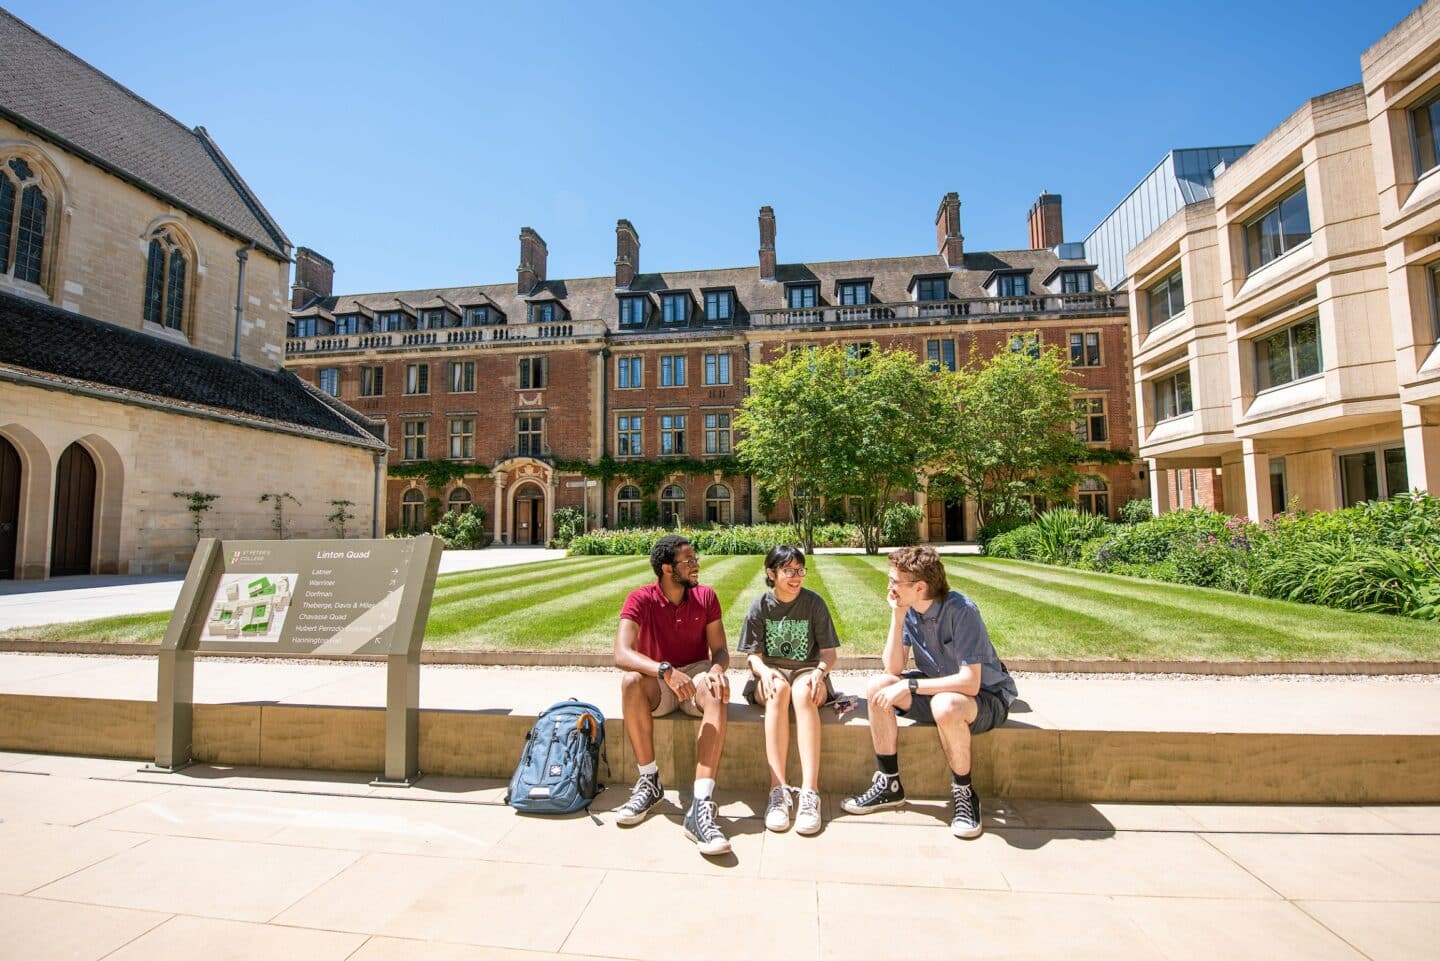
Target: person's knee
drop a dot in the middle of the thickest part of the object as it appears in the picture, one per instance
(879, 681)
(632, 684)
(780, 691)
(951, 708)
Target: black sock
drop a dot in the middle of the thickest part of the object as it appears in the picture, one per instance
(960, 780)
(889, 763)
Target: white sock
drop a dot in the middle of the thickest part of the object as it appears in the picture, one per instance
(652, 768)
(704, 787)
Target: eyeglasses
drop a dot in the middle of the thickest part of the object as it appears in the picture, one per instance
(792, 572)
(690, 562)
(897, 582)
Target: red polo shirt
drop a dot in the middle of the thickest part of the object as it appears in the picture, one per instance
(670, 632)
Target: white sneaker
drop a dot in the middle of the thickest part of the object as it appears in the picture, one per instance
(808, 820)
(777, 812)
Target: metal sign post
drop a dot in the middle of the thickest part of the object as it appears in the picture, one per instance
(302, 599)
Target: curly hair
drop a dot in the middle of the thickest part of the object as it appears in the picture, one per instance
(923, 564)
(665, 550)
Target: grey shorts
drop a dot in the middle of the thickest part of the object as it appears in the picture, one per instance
(791, 675)
(991, 711)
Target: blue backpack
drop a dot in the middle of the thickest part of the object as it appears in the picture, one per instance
(559, 771)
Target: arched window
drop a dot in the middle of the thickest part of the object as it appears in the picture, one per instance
(627, 506)
(1094, 497)
(23, 211)
(459, 500)
(717, 504)
(672, 505)
(166, 271)
(412, 510)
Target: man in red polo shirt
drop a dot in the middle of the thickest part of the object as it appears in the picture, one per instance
(671, 646)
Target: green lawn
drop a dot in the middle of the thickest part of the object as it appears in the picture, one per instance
(1032, 611)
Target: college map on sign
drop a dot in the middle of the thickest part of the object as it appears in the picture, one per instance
(250, 607)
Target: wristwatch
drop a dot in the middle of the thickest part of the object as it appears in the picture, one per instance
(665, 668)
(914, 685)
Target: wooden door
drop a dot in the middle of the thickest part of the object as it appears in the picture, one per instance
(9, 508)
(74, 513)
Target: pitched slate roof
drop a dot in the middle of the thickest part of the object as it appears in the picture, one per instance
(70, 351)
(596, 298)
(47, 89)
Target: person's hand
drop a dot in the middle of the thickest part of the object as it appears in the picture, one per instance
(766, 680)
(681, 684)
(895, 605)
(885, 698)
(717, 683)
(817, 688)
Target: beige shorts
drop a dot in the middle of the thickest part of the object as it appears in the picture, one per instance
(669, 703)
(755, 694)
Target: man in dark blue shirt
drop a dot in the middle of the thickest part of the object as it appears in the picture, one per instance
(959, 683)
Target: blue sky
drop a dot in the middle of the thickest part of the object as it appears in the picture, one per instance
(410, 143)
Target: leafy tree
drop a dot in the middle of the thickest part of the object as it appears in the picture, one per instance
(1011, 433)
(833, 421)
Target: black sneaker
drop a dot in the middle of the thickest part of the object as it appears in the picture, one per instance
(643, 797)
(701, 828)
(966, 822)
(884, 792)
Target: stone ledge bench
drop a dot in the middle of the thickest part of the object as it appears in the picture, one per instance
(1068, 738)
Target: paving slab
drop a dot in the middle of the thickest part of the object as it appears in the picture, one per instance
(39, 930)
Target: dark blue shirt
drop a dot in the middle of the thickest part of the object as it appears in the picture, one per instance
(950, 635)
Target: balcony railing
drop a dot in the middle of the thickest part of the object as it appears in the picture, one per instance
(971, 310)
(445, 337)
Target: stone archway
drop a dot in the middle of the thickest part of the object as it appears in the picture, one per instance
(72, 536)
(509, 477)
(32, 516)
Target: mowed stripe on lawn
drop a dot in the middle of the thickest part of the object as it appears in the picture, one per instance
(854, 588)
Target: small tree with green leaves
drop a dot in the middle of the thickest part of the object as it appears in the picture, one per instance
(198, 503)
(277, 502)
(342, 516)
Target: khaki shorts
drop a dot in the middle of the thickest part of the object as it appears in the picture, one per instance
(754, 695)
(669, 703)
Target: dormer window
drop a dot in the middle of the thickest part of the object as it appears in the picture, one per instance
(853, 293)
(674, 308)
(477, 317)
(802, 296)
(436, 319)
(719, 306)
(1013, 285)
(1075, 282)
(542, 313)
(932, 288)
(352, 324)
(632, 311)
(312, 326)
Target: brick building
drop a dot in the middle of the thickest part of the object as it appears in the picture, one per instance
(142, 317)
(649, 367)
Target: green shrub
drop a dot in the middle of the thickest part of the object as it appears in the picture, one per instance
(739, 539)
(1022, 543)
(1152, 541)
(1353, 577)
(1137, 510)
(1061, 533)
(998, 524)
(567, 522)
(464, 531)
(900, 525)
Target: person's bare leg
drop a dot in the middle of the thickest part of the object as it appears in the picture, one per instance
(807, 729)
(711, 739)
(777, 732)
(953, 714)
(639, 696)
(883, 729)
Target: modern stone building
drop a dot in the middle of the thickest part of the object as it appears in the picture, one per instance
(523, 380)
(142, 317)
(1285, 330)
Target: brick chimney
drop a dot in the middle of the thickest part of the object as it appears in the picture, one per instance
(531, 272)
(627, 253)
(767, 243)
(948, 239)
(1046, 230)
(314, 278)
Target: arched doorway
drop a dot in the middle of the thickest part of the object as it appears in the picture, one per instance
(9, 508)
(945, 518)
(528, 515)
(74, 513)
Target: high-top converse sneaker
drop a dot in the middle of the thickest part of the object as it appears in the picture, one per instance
(884, 792)
(701, 828)
(643, 797)
(966, 822)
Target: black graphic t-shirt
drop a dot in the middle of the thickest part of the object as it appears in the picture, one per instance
(788, 635)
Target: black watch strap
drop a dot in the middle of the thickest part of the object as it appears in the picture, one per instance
(914, 685)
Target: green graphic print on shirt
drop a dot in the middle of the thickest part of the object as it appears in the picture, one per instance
(787, 639)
